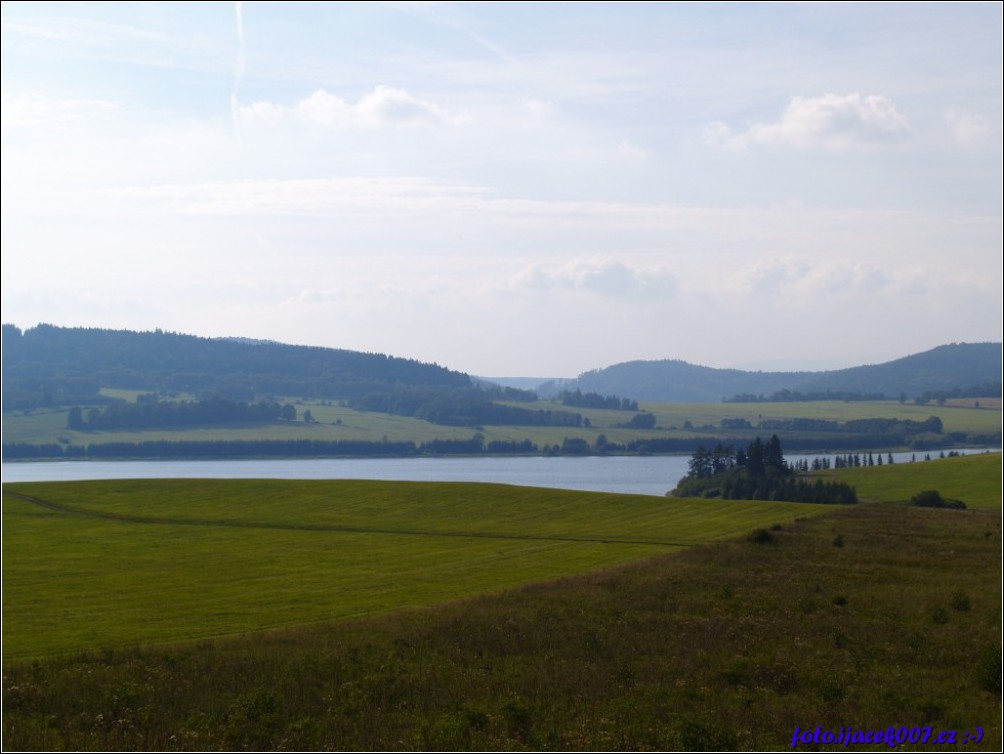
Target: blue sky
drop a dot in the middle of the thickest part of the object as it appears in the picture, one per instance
(510, 189)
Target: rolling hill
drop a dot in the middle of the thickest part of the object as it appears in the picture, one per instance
(948, 367)
(48, 365)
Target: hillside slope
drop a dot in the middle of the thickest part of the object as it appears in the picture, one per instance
(958, 365)
(49, 365)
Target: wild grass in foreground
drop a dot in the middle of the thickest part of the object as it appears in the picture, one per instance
(869, 616)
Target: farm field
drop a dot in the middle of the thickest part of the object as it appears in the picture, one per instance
(341, 423)
(955, 419)
(95, 564)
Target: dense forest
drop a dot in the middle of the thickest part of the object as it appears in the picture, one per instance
(57, 366)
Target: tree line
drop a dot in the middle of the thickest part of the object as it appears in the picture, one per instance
(229, 449)
(579, 399)
(154, 414)
(876, 425)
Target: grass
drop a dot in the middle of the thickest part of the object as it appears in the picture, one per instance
(727, 646)
(976, 480)
(796, 616)
(111, 563)
(341, 423)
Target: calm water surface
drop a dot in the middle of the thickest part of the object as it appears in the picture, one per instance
(644, 475)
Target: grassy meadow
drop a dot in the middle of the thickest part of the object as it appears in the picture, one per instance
(976, 480)
(870, 616)
(275, 615)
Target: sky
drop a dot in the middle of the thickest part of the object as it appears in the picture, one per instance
(513, 189)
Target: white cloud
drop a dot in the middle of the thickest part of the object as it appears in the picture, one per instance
(383, 106)
(600, 275)
(796, 284)
(970, 129)
(832, 122)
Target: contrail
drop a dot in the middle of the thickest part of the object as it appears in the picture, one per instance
(235, 105)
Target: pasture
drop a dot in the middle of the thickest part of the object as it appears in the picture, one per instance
(88, 565)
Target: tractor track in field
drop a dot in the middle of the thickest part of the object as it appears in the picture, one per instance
(165, 521)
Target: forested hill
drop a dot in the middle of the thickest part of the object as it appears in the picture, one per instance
(945, 368)
(58, 365)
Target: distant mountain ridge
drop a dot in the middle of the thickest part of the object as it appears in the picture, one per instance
(48, 365)
(947, 367)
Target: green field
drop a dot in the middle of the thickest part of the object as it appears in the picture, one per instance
(110, 563)
(869, 616)
(955, 419)
(976, 480)
(335, 422)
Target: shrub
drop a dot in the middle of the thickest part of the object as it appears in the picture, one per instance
(761, 537)
(933, 499)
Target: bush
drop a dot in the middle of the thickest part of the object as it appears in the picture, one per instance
(933, 499)
(761, 537)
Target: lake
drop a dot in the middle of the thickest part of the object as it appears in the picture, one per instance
(643, 475)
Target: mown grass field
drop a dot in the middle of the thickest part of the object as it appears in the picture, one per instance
(110, 563)
(341, 423)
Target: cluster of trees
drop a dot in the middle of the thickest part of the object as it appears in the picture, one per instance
(595, 400)
(153, 414)
(851, 460)
(640, 421)
(757, 472)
